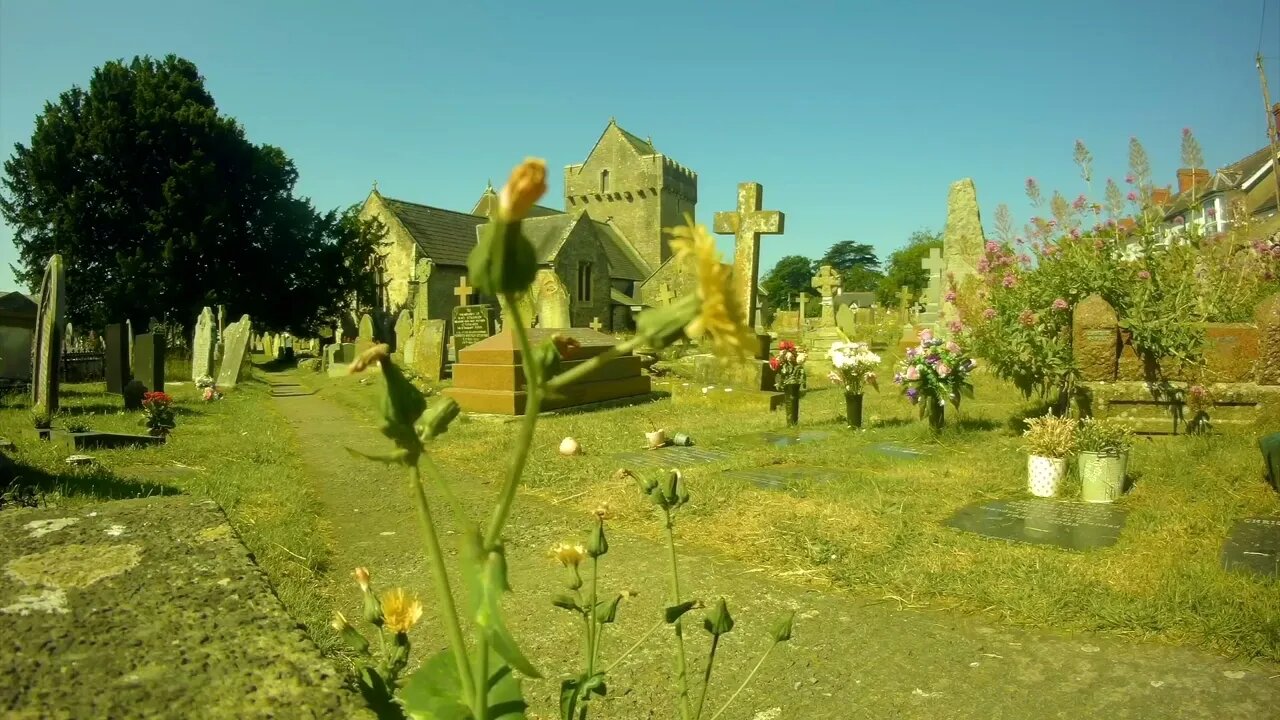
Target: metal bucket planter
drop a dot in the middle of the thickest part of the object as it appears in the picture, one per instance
(1044, 475)
(1102, 475)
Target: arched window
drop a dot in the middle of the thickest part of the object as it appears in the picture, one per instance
(584, 282)
(604, 181)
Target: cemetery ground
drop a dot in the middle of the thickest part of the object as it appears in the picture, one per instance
(898, 615)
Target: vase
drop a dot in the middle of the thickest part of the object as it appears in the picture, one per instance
(853, 409)
(1102, 475)
(791, 394)
(1044, 474)
(936, 412)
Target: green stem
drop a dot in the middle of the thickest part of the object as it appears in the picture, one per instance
(635, 645)
(706, 676)
(595, 363)
(682, 673)
(459, 515)
(593, 626)
(750, 675)
(444, 595)
(481, 702)
(520, 454)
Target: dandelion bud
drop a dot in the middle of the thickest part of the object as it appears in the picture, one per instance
(362, 578)
(372, 610)
(598, 545)
(349, 635)
(438, 417)
(781, 630)
(718, 621)
(504, 260)
(527, 183)
(670, 487)
(368, 358)
(607, 612)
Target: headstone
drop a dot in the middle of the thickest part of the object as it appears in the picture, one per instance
(203, 346)
(234, 350)
(846, 320)
(404, 330)
(553, 302)
(421, 293)
(904, 304)
(429, 347)
(747, 224)
(463, 291)
(1254, 546)
(47, 344)
(471, 324)
(963, 242)
(117, 359)
(804, 301)
(129, 335)
(364, 340)
(148, 360)
(1267, 317)
(1095, 339)
(825, 283)
(665, 296)
(934, 266)
(222, 328)
(69, 338)
(671, 456)
(1070, 525)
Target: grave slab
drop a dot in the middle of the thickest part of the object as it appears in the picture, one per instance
(1254, 546)
(92, 440)
(100, 605)
(778, 477)
(899, 452)
(1069, 525)
(786, 439)
(674, 456)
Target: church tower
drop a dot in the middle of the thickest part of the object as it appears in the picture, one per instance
(641, 191)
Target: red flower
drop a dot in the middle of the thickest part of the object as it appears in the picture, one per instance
(773, 363)
(786, 345)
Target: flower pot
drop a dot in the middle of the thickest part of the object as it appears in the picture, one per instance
(657, 438)
(853, 409)
(1102, 476)
(936, 413)
(1044, 474)
(791, 394)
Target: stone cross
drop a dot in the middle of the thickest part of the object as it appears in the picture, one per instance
(825, 283)
(904, 302)
(747, 224)
(934, 264)
(804, 300)
(463, 291)
(595, 324)
(665, 296)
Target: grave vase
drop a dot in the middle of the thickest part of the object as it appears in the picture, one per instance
(791, 394)
(1102, 475)
(935, 412)
(853, 409)
(1044, 474)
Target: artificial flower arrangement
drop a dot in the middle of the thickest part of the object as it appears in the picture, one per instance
(855, 366)
(933, 373)
(157, 412)
(208, 390)
(789, 366)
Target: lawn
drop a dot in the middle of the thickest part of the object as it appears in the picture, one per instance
(236, 451)
(877, 531)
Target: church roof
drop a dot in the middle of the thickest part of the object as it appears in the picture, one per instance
(644, 147)
(18, 302)
(547, 234)
(445, 236)
(624, 262)
(488, 203)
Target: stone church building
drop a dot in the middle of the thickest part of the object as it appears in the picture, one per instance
(603, 257)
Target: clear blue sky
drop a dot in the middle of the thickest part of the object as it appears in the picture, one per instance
(855, 116)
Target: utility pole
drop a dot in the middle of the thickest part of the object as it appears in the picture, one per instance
(1271, 127)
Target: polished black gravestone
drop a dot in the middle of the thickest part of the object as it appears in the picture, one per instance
(148, 361)
(1070, 525)
(788, 438)
(117, 359)
(1254, 546)
(779, 477)
(899, 452)
(672, 456)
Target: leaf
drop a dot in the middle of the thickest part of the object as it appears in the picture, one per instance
(485, 575)
(434, 691)
(607, 612)
(566, 601)
(674, 612)
(569, 698)
(395, 457)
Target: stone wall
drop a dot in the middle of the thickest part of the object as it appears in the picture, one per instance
(399, 251)
(580, 247)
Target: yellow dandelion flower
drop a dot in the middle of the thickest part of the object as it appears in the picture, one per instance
(569, 555)
(720, 318)
(400, 610)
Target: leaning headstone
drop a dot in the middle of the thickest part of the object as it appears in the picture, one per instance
(428, 348)
(846, 321)
(148, 360)
(237, 342)
(203, 346)
(471, 324)
(553, 302)
(364, 340)
(1267, 317)
(404, 329)
(1095, 339)
(117, 359)
(963, 242)
(47, 345)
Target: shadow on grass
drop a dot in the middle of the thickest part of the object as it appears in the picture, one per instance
(890, 423)
(972, 424)
(23, 485)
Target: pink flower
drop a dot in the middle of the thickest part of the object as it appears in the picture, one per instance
(913, 373)
(1075, 233)
(1144, 275)
(1009, 281)
(984, 265)
(926, 335)
(992, 246)
(943, 370)
(1132, 196)
(952, 347)
(1080, 202)
(950, 296)
(955, 326)
(1060, 304)
(1129, 179)
(989, 313)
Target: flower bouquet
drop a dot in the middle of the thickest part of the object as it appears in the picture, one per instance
(790, 377)
(933, 373)
(157, 412)
(855, 368)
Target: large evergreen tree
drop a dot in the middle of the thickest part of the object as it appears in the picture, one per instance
(788, 278)
(856, 264)
(160, 205)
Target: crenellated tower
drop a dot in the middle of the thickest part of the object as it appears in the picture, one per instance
(624, 179)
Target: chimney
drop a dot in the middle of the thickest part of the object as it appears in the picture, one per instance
(1188, 177)
(1160, 196)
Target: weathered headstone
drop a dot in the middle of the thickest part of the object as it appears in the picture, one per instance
(804, 301)
(846, 321)
(429, 347)
(203, 346)
(747, 224)
(404, 330)
(963, 242)
(1095, 338)
(553, 302)
(1267, 317)
(148, 360)
(825, 282)
(47, 344)
(365, 340)
(234, 350)
(934, 266)
(1069, 525)
(117, 359)
(471, 324)
(904, 304)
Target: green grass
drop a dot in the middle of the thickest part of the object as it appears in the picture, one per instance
(878, 530)
(236, 451)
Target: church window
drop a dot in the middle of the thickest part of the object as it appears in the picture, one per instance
(604, 181)
(584, 282)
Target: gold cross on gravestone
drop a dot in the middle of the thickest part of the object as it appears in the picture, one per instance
(747, 224)
(595, 324)
(463, 292)
(665, 296)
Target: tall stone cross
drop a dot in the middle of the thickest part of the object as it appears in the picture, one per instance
(904, 302)
(665, 296)
(747, 224)
(595, 324)
(825, 283)
(463, 291)
(933, 265)
(804, 300)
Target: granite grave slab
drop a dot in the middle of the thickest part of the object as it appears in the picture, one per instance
(1254, 546)
(1069, 525)
(785, 439)
(672, 456)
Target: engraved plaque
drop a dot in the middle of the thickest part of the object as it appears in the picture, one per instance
(1070, 525)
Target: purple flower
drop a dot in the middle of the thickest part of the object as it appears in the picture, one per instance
(913, 395)
(1132, 196)
(1060, 304)
(989, 313)
(897, 378)
(1080, 202)
(1129, 179)
(912, 353)
(933, 359)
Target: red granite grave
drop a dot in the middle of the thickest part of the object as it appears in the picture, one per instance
(489, 377)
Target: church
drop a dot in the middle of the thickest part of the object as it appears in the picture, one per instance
(602, 259)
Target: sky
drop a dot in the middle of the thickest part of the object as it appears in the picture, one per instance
(855, 117)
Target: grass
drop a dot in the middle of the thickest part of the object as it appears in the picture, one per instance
(878, 530)
(235, 451)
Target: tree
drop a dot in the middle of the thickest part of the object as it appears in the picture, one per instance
(160, 205)
(784, 283)
(904, 268)
(856, 263)
(861, 279)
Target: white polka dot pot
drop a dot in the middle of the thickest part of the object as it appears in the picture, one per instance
(1044, 475)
